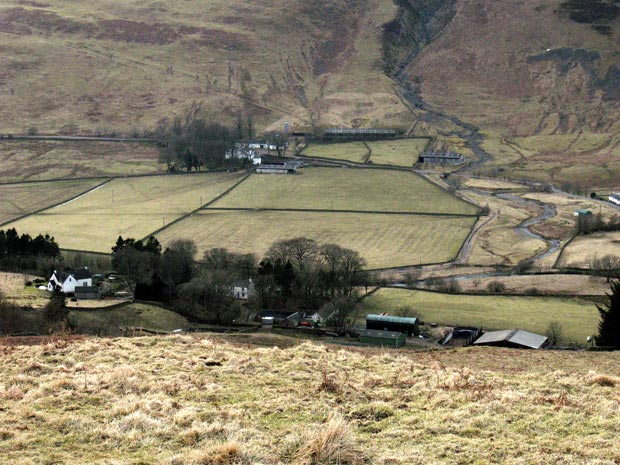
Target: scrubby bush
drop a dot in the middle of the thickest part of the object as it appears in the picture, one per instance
(524, 266)
(496, 287)
(554, 332)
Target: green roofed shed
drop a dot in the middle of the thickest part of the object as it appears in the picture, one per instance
(582, 212)
(383, 338)
(401, 324)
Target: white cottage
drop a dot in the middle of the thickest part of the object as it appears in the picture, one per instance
(67, 281)
(243, 289)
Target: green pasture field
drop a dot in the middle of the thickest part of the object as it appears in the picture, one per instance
(578, 317)
(40, 160)
(131, 207)
(108, 321)
(350, 151)
(344, 189)
(583, 249)
(17, 200)
(399, 152)
(383, 240)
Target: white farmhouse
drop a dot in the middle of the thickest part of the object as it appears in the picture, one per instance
(67, 281)
(243, 289)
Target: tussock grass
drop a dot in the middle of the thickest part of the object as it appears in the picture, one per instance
(602, 380)
(265, 405)
(331, 444)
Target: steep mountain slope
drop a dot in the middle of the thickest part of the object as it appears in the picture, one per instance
(526, 67)
(123, 65)
(509, 68)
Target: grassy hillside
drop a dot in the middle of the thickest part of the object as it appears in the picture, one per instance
(38, 160)
(124, 65)
(529, 70)
(186, 400)
(523, 68)
(351, 151)
(131, 207)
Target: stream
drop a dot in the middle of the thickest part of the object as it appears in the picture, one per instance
(549, 211)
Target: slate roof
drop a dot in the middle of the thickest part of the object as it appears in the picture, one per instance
(82, 273)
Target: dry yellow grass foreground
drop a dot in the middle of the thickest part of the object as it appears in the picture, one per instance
(189, 400)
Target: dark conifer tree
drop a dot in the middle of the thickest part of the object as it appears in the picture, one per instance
(609, 326)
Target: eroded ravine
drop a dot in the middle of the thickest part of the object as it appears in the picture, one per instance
(418, 24)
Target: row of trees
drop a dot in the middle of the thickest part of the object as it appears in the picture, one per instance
(194, 140)
(587, 224)
(25, 253)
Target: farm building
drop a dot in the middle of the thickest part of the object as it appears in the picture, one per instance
(294, 319)
(516, 338)
(87, 293)
(242, 289)
(261, 146)
(243, 152)
(582, 213)
(614, 198)
(442, 158)
(410, 326)
(359, 133)
(66, 282)
(273, 168)
(279, 317)
(383, 338)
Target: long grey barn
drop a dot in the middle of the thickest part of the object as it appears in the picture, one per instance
(351, 133)
(447, 158)
(277, 169)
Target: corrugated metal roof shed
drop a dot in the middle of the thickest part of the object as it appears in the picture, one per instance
(392, 319)
(513, 338)
(393, 323)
